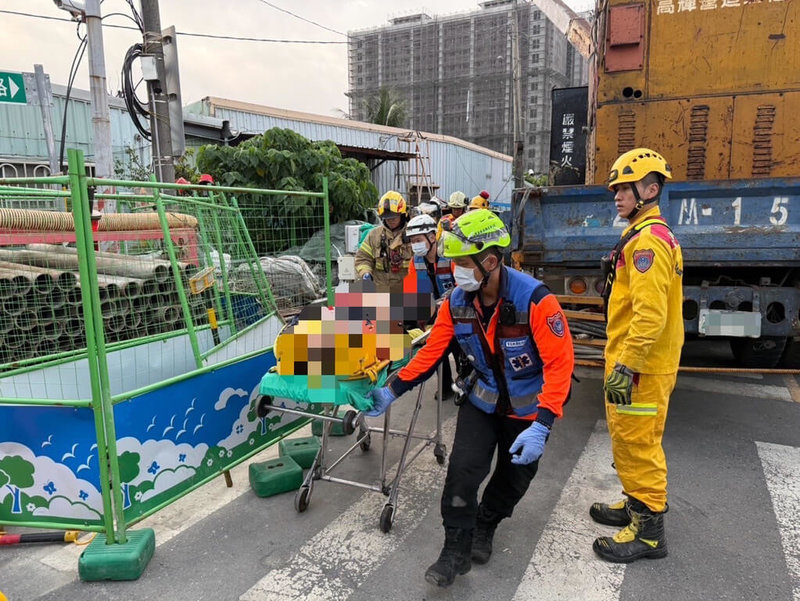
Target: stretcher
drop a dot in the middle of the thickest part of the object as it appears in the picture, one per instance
(351, 391)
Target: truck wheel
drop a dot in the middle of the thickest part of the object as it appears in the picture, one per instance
(758, 353)
(791, 355)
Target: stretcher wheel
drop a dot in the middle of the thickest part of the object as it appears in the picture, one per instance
(440, 452)
(365, 442)
(302, 498)
(262, 408)
(349, 422)
(386, 517)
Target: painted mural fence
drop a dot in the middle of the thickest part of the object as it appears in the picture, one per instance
(132, 344)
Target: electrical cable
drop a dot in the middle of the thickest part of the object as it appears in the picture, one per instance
(135, 106)
(73, 71)
(296, 16)
(180, 33)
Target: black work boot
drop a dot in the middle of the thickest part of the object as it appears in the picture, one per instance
(485, 525)
(610, 514)
(643, 537)
(454, 558)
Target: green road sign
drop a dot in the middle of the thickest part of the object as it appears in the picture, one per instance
(12, 88)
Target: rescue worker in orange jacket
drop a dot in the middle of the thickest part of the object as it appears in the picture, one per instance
(384, 254)
(427, 272)
(645, 336)
(516, 336)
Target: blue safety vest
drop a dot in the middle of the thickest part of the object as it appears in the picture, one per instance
(442, 275)
(517, 359)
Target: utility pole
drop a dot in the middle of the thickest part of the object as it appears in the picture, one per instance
(101, 120)
(160, 124)
(45, 95)
(517, 95)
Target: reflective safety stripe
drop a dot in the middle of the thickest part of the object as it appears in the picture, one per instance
(639, 409)
(459, 312)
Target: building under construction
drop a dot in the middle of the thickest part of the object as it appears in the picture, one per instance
(455, 73)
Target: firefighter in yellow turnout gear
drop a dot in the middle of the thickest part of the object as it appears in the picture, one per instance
(645, 337)
(384, 254)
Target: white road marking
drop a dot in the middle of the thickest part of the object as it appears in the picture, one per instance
(728, 388)
(563, 565)
(338, 559)
(782, 471)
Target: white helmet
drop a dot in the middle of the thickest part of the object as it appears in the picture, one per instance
(458, 200)
(421, 224)
(427, 208)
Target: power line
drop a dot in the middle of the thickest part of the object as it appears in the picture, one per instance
(181, 33)
(296, 16)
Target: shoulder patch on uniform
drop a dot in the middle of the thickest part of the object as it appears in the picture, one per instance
(556, 324)
(643, 259)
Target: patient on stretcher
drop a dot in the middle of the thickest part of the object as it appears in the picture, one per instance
(360, 335)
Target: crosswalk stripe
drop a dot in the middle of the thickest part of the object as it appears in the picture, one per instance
(339, 558)
(563, 565)
(782, 472)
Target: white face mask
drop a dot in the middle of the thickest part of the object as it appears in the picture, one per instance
(420, 249)
(465, 278)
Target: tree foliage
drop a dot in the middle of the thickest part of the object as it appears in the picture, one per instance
(386, 108)
(281, 159)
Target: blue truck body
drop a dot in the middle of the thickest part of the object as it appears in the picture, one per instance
(740, 241)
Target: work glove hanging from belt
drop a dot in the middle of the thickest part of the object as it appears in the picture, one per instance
(619, 385)
(529, 443)
(381, 399)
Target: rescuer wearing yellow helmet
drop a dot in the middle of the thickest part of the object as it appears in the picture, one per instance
(645, 336)
(384, 254)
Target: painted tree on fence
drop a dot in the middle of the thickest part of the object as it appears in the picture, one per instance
(16, 473)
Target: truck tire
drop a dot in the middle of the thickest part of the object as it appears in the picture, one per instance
(791, 355)
(758, 353)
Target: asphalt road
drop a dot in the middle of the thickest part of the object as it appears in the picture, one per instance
(733, 449)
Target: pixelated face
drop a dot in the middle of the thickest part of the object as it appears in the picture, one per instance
(362, 328)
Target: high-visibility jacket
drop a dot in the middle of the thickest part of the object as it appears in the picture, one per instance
(385, 256)
(419, 279)
(529, 349)
(645, 309)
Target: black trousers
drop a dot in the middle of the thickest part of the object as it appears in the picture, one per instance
(477, 436)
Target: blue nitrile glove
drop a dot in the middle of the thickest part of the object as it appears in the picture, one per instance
(530, 444)
(367, 276)
(619, 385)
(381, 399)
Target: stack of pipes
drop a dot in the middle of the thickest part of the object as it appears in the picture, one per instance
(41, 311)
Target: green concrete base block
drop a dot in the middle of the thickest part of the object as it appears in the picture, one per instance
(302, 450)
(337, 428)
(125, 561)
(275, 476)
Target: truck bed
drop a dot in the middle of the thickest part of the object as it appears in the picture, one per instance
(742, 223)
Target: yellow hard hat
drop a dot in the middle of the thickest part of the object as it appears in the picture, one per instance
(392, 202)
(478, 202)
(635, 164)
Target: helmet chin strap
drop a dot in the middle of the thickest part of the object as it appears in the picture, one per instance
(486, 274)
(640, 202)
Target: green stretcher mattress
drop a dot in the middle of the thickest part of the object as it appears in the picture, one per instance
(337, 390)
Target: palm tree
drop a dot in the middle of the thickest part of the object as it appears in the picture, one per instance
(386, 108)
